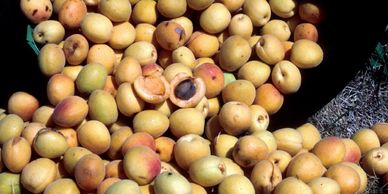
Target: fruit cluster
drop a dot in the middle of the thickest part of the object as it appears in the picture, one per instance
(144, 99)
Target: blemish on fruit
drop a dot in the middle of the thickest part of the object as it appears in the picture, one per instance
(34, 12)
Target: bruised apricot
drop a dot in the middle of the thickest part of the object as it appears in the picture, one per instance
(170, 35)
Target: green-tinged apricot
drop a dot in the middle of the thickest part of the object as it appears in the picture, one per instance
(23, 104)
(207, 171)
(38, 174)
(72, 156)
(171, 183)
(234, 53)
(105, 184)
(124, 186)
(128, 102)
(49, 143)
(141, 164)
(70, 112)
(152, 122)
(92, 77)
(89, 172)
(59, 87)
(15, 154)
(94, 136)
(10, 126)
(102, 107)
(187, 121)
(51, 59)
(64, 185)
(170, 35)
(10, 183)
(233, 91)
(228, 78)
(235, 118)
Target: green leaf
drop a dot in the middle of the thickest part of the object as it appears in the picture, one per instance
(380, 50)
(375, 64)
(30, 40)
